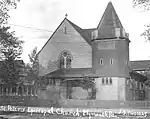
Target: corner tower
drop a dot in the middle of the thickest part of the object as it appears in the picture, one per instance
(110, 54)
(110, 46)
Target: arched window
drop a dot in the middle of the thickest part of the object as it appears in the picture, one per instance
(61, 62)
(19, 90)
(29, 90)
(68, 63)
(103, 81)
(111, 61)
(65, 59)
(13, 90)
(110, 80)
(106, 80)
(101, 61)
(1, 89)
(5, 90)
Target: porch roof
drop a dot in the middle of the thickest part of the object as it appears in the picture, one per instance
(86, 72)
(140, 65)
(71, 72)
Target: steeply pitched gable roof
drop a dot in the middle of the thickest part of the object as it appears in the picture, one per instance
(108, 23)
(82, 32)
(50, 37)
(85, 33)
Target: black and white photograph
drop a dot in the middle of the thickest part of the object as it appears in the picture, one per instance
(74, 59)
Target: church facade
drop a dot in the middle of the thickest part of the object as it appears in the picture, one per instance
(92, 64)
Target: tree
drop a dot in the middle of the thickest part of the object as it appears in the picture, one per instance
(32, 68)
(142, 3)
(5, 6)
(145, 4)
(10, 50)
(10, 45)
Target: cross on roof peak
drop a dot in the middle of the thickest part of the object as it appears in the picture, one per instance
(66, 15)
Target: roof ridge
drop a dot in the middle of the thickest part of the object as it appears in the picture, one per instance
(139, 60)
(101, 18)
(73, 23)
(89, 28)
(81, 31)
(51, 36)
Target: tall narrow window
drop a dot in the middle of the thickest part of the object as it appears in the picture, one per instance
(68, 62)
(65, 59)
(13, 90)
(140, 86)
(101, 61)
(106, 80)
(103, 81)
(65, 30)
(1, 89)
(110, 80)
(62, 62)
(53, 82)
(136, 84)
(111, 61)
(19, 90)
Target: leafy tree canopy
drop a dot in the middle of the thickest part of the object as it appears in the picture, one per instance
(10, 50)
(144, 4)
(10, 46)
(5, 7)
(32, 67)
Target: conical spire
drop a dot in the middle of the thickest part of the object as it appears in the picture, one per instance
(108, 23)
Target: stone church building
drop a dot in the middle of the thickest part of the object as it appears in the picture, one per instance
(92, 64)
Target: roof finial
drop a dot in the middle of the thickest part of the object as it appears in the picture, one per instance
(66, 15)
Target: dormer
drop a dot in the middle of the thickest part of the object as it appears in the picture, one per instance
(120, 32)
(94, 34)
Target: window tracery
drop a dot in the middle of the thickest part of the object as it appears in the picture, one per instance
(65, 59)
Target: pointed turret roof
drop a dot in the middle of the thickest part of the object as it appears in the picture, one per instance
(108, 23)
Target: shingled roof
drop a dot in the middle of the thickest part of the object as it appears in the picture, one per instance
(106, 26)
(71, 72)
(108, 23)
(84, 33)
(140, 65)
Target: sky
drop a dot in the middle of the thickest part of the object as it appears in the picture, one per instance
(48, 14)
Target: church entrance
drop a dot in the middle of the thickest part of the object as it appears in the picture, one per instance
(79, 88)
